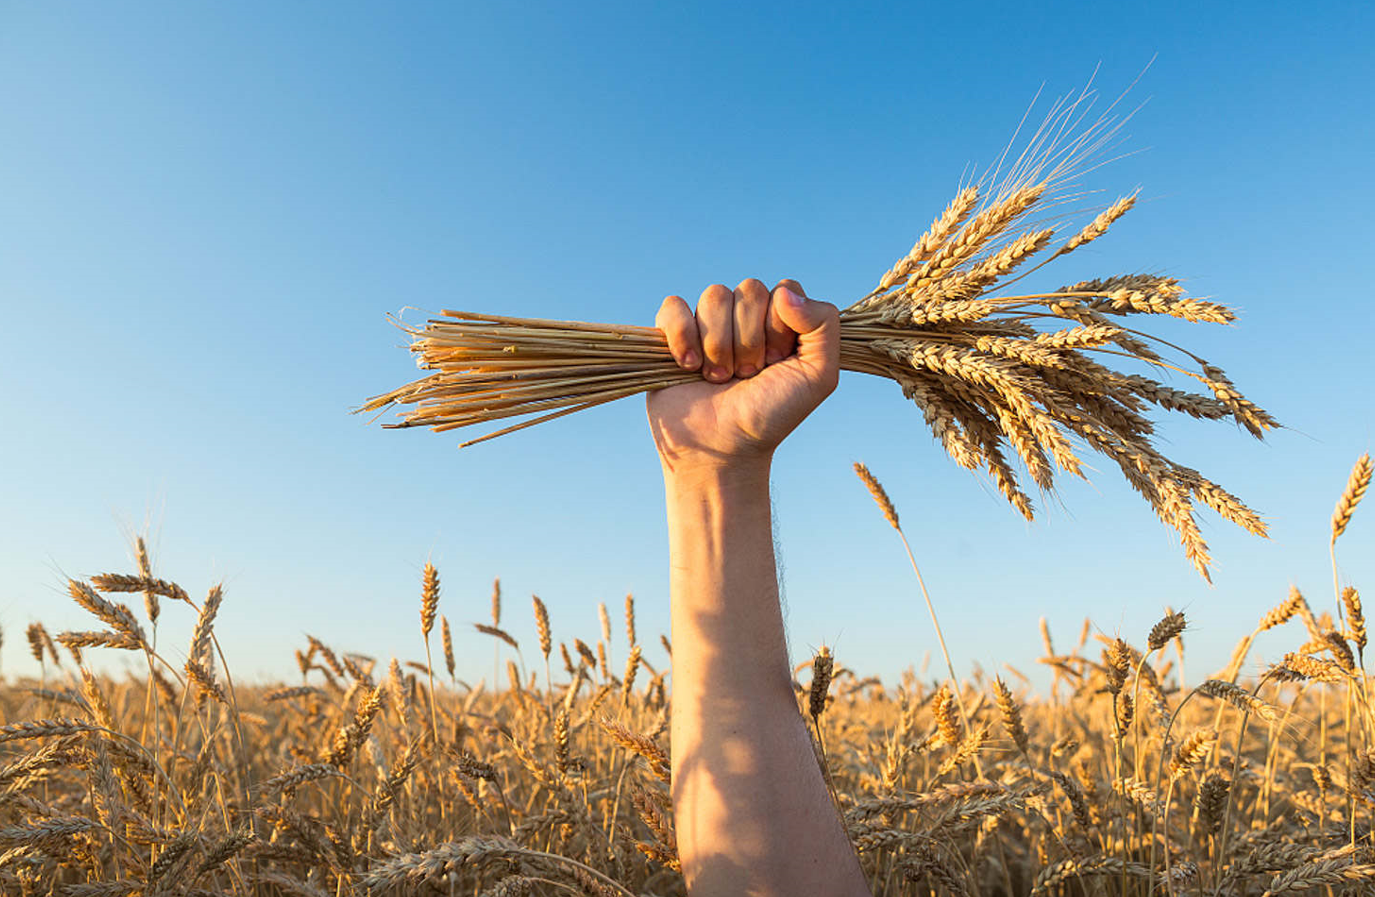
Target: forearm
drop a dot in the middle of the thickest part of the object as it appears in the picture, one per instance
(752, 810)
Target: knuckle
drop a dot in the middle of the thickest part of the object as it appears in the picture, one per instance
(671, 311)
(715, 296)
(751, 286)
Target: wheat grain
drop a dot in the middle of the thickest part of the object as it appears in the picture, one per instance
(1078, 803)
(50, 832)
(1282, 612)
(45, 728)
(1356, 486)
(200, 636)
(947, 720)
(880, 496)
(1064, 870)
(1238, 697)
(448, 639)
(104, 639)
(632, 665)
(118, 617)
(223, 852)
(822, 665)
(654, 755)
(144, 582)
(172, 854)
(497, 633)
(1323, 872)
(205, 681)
(1191, 752)
(1117, 663)
(1098, 226)
(1012, 716)
(409, 870)
(1170, 626)
(1333, 641)
(1211, 801)
(1355, 616)
(309, 772)
(95, 700)
(1302, 666)
(151, 604)
(586, 653)
(1140, 793)
(941, 228)
(349, 737)
(429, 599)
(35, 635)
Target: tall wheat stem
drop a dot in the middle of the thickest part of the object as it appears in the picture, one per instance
(940, 638)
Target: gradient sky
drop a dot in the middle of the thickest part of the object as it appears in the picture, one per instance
(209, 209)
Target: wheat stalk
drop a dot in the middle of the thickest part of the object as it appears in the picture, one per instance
(429, 607)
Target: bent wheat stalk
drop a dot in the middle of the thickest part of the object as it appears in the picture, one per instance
(991, 369)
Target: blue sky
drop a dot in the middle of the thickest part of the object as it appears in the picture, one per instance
(209, 210)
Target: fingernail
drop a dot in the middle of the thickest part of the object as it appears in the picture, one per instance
(773, 356)
(746, 370)
(792, 298)
(717, 373)
(690, 360)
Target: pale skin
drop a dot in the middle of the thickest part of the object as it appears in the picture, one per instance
(751, 809)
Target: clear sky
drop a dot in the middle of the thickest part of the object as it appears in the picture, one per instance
(208, 209)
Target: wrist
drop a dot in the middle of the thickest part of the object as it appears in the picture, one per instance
(715, 475)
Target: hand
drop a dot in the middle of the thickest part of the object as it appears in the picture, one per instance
(767, 359)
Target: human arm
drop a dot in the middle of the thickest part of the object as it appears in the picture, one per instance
(751, 809)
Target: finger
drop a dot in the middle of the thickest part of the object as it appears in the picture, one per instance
(779, 339)
(716, 324)
(817, 325)
(751, 311)
(679, 326)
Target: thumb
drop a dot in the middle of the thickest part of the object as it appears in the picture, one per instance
(817, 325)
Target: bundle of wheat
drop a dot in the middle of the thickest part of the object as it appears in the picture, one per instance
(989, 368)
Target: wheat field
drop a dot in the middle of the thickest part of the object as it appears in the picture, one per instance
(388, 776)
